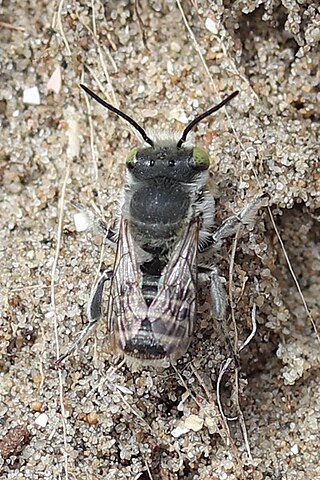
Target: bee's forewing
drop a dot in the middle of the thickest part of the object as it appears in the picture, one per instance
(126, 306)
(173, 311)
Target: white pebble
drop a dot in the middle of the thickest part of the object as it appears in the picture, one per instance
(211, 26)
(31, 96)
(295, 449)
(42, 420)
(177, 432)
(170, 68)
(81, 221)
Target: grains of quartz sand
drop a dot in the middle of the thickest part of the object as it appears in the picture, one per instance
(99, 418)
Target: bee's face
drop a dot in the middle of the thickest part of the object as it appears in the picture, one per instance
(181, 164)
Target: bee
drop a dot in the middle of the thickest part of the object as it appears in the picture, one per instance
(166, 221)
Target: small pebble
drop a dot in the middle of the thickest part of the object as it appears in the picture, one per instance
(92, 418)
(54, 82)
(14, 440)
(177, 432)
(42, 420)
(36, 406)
(193, 422)
(211, 26)
(31, 96)
(81, 221)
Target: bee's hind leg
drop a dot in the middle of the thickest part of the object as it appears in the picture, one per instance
(218, 309)
(94, 313)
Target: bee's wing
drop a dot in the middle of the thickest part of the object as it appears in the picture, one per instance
(172, 312)
(126, 307)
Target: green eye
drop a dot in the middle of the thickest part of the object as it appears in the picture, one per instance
(200, 158)
(131, 156)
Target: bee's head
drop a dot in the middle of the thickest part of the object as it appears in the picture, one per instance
(165, 159)
(182, 164)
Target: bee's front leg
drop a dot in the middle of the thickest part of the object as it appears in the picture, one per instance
(94, 313)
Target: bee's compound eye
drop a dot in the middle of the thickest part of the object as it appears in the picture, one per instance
(132, 156)
(200, 158)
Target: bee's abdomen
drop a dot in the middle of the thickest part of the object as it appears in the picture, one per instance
(144, 344)
(149, 289)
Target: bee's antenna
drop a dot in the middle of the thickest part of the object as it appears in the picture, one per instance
(119, 113)
(204, 115)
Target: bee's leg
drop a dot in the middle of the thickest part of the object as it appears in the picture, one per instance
(94, 313)
(94, 306)
(218, 309)
(229, 226)
(107, 232)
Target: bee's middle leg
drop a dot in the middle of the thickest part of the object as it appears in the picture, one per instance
(218, 308)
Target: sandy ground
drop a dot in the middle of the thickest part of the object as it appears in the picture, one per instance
(98, 418)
